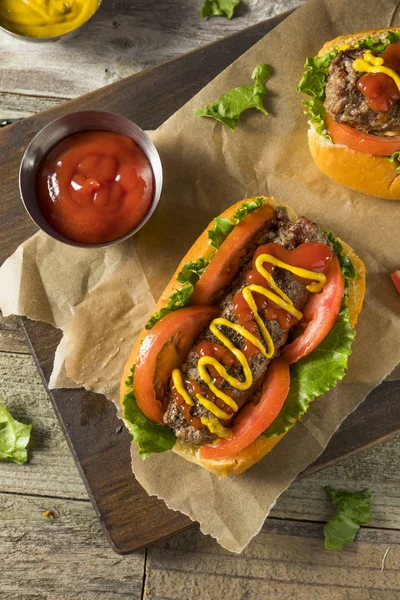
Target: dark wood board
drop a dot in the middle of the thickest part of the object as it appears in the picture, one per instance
(130, 518)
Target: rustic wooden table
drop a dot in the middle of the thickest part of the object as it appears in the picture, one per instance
(68, 557)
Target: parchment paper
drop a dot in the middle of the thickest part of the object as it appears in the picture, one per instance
(101, 298)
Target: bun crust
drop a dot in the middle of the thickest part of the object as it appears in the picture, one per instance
(246, 458)
(366, 173)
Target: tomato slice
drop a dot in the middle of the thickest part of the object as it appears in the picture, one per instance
(396, 279)
(226, 262)
(360, 141)
(252, 419)
(320, 311)
(163, 349)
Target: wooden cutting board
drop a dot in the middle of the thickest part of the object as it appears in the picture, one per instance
(100, 445)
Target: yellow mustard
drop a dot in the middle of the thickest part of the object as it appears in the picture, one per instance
(374, 64)
(45, 18)
(278, 297)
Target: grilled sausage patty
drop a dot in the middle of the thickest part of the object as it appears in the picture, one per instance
(346, 104)
(287, 234)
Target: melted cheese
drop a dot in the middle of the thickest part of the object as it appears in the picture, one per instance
(278, 297)
(374, 64)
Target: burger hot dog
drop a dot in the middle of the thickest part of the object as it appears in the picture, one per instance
(354, 135)
(262, 290)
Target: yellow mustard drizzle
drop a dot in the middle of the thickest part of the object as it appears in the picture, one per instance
(342, 47)
(374, 64)
(214, 426)
(278, 297)
(45, 18)
(178, 383)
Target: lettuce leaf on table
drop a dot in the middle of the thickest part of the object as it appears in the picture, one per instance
(219, 8)
(14, 438)
(354, 509)
(228, 109)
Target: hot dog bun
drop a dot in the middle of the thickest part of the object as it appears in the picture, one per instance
(237, 463)
(367, 173)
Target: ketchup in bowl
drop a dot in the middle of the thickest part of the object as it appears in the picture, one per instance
(95, 187)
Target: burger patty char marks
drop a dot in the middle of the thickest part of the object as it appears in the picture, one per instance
(346, 104)
(287, 234)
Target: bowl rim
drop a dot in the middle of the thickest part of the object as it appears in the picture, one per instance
(26, 163)
(54, 38)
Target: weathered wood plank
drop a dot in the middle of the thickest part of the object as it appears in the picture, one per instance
(51, 470)
(13, 341)
(123, 38)
(12, 323)
(62, 558)
(286, 560)
(375, 468)
(18, 106)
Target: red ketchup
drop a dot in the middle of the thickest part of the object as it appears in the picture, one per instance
(95, 186)
(380, 89)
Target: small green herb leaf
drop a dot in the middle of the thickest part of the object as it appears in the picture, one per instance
(228, 108)
(219, 8)
(354, 509)
(14, 438)
(192, 270)
(246, 208)
(151, 438)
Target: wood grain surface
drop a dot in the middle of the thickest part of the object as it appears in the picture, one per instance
(68, 557)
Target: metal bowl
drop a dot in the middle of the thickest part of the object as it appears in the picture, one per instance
(59, 129)
(64, 36)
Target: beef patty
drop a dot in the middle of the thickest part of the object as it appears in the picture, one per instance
(346, 104)
(287, 234)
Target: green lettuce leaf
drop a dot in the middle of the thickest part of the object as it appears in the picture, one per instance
(192, 270)
(312, 83)
(14, 438)
(219, 8)
(223, 226)
(315, 75)
(315, 108)
(315, 374)
(228, 109)
(178, 299)
(220, 231)
(354, 509)
(348, 269)
(381, 44)
(150, 437)
(395, 158)
(246, 208)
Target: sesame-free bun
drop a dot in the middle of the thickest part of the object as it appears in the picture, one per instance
(246, 458)
(367, 173)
